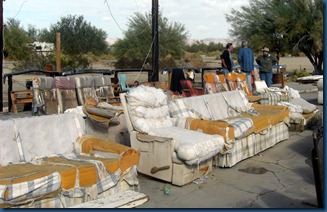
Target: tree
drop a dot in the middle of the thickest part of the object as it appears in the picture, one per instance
(283, 26)
(16, 40)
(134, 48)
(78, 38)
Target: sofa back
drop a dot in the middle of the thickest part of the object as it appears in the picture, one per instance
(84, 88)
(39, 136)
(44, 93)
(66, 94)
(216, 106)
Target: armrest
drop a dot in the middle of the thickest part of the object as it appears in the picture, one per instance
(128, 156)
(219, 127)
(156, 157)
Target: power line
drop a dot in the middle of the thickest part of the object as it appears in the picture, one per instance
(20, 8)
(106, 1)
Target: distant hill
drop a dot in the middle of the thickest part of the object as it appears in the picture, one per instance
(208, 40)
(223, 41)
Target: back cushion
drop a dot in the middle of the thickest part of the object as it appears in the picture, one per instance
(66, 93)
(197, 103)
(49, 135)
(85, 88)
(103, 87)
(44, 93)
(8, 147)
(148, 108)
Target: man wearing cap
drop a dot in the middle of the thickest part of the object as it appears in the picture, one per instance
(265, 62)
(246, 61)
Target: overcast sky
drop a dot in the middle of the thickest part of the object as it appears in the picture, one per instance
(202, 18)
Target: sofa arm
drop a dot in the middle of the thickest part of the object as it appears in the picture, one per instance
(218, 127)
(127, 156)
(156, 155)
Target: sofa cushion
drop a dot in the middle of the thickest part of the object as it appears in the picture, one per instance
(293, 108)
(27, 181)
(178, 109)
(198, 104)
(193, 147)
(241, 126)
(9, 152)
(148, 108)
(306, 106)
(49, 135)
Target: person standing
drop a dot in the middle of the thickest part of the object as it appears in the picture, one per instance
(246, 61)
(265, 62)
(226, 59)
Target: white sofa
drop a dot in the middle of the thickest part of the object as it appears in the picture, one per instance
(247, 128)
(169, 153)
(50, 162)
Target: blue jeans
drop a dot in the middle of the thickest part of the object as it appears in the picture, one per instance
(267, 77)
(225, 71)
(248, 79)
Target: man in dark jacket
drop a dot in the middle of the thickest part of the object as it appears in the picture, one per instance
(246, 61)
(265, 62)
(226, 59)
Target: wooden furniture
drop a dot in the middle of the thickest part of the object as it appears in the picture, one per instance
(21, 97)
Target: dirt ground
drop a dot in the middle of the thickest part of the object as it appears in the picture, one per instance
(19, 82)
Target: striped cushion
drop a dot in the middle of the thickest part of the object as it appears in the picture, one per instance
(178, 109)
(241, 126)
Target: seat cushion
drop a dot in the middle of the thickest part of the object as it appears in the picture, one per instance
(193, 147)
(69, 170)
(306, 106)
(241, 126)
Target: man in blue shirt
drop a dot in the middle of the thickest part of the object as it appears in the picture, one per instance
(246, 61)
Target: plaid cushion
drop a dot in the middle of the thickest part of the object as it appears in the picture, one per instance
(293, 108)
(178, 109)
(273, 98)
(241, 126)
(269, 98)
(31, 189)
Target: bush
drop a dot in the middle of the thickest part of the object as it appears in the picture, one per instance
(296, 74)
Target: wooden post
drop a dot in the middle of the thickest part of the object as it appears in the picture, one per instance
(283, 72)
(58, 59)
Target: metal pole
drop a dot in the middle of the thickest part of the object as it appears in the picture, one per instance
(155, 40)
(1, 55)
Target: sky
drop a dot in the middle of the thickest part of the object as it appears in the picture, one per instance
(201, 18)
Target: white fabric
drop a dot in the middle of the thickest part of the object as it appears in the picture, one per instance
(146, 96)
(78, 110)
(148, 108)
(260, 86)
(197, 103)
(306, 106)
(49, 135)
(193, 147)
(8, 148)
(293, 108)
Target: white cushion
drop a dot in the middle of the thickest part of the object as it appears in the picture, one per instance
(9, 150)
(191, 146)
(148, 108)
(49, 135)
(306, 106)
